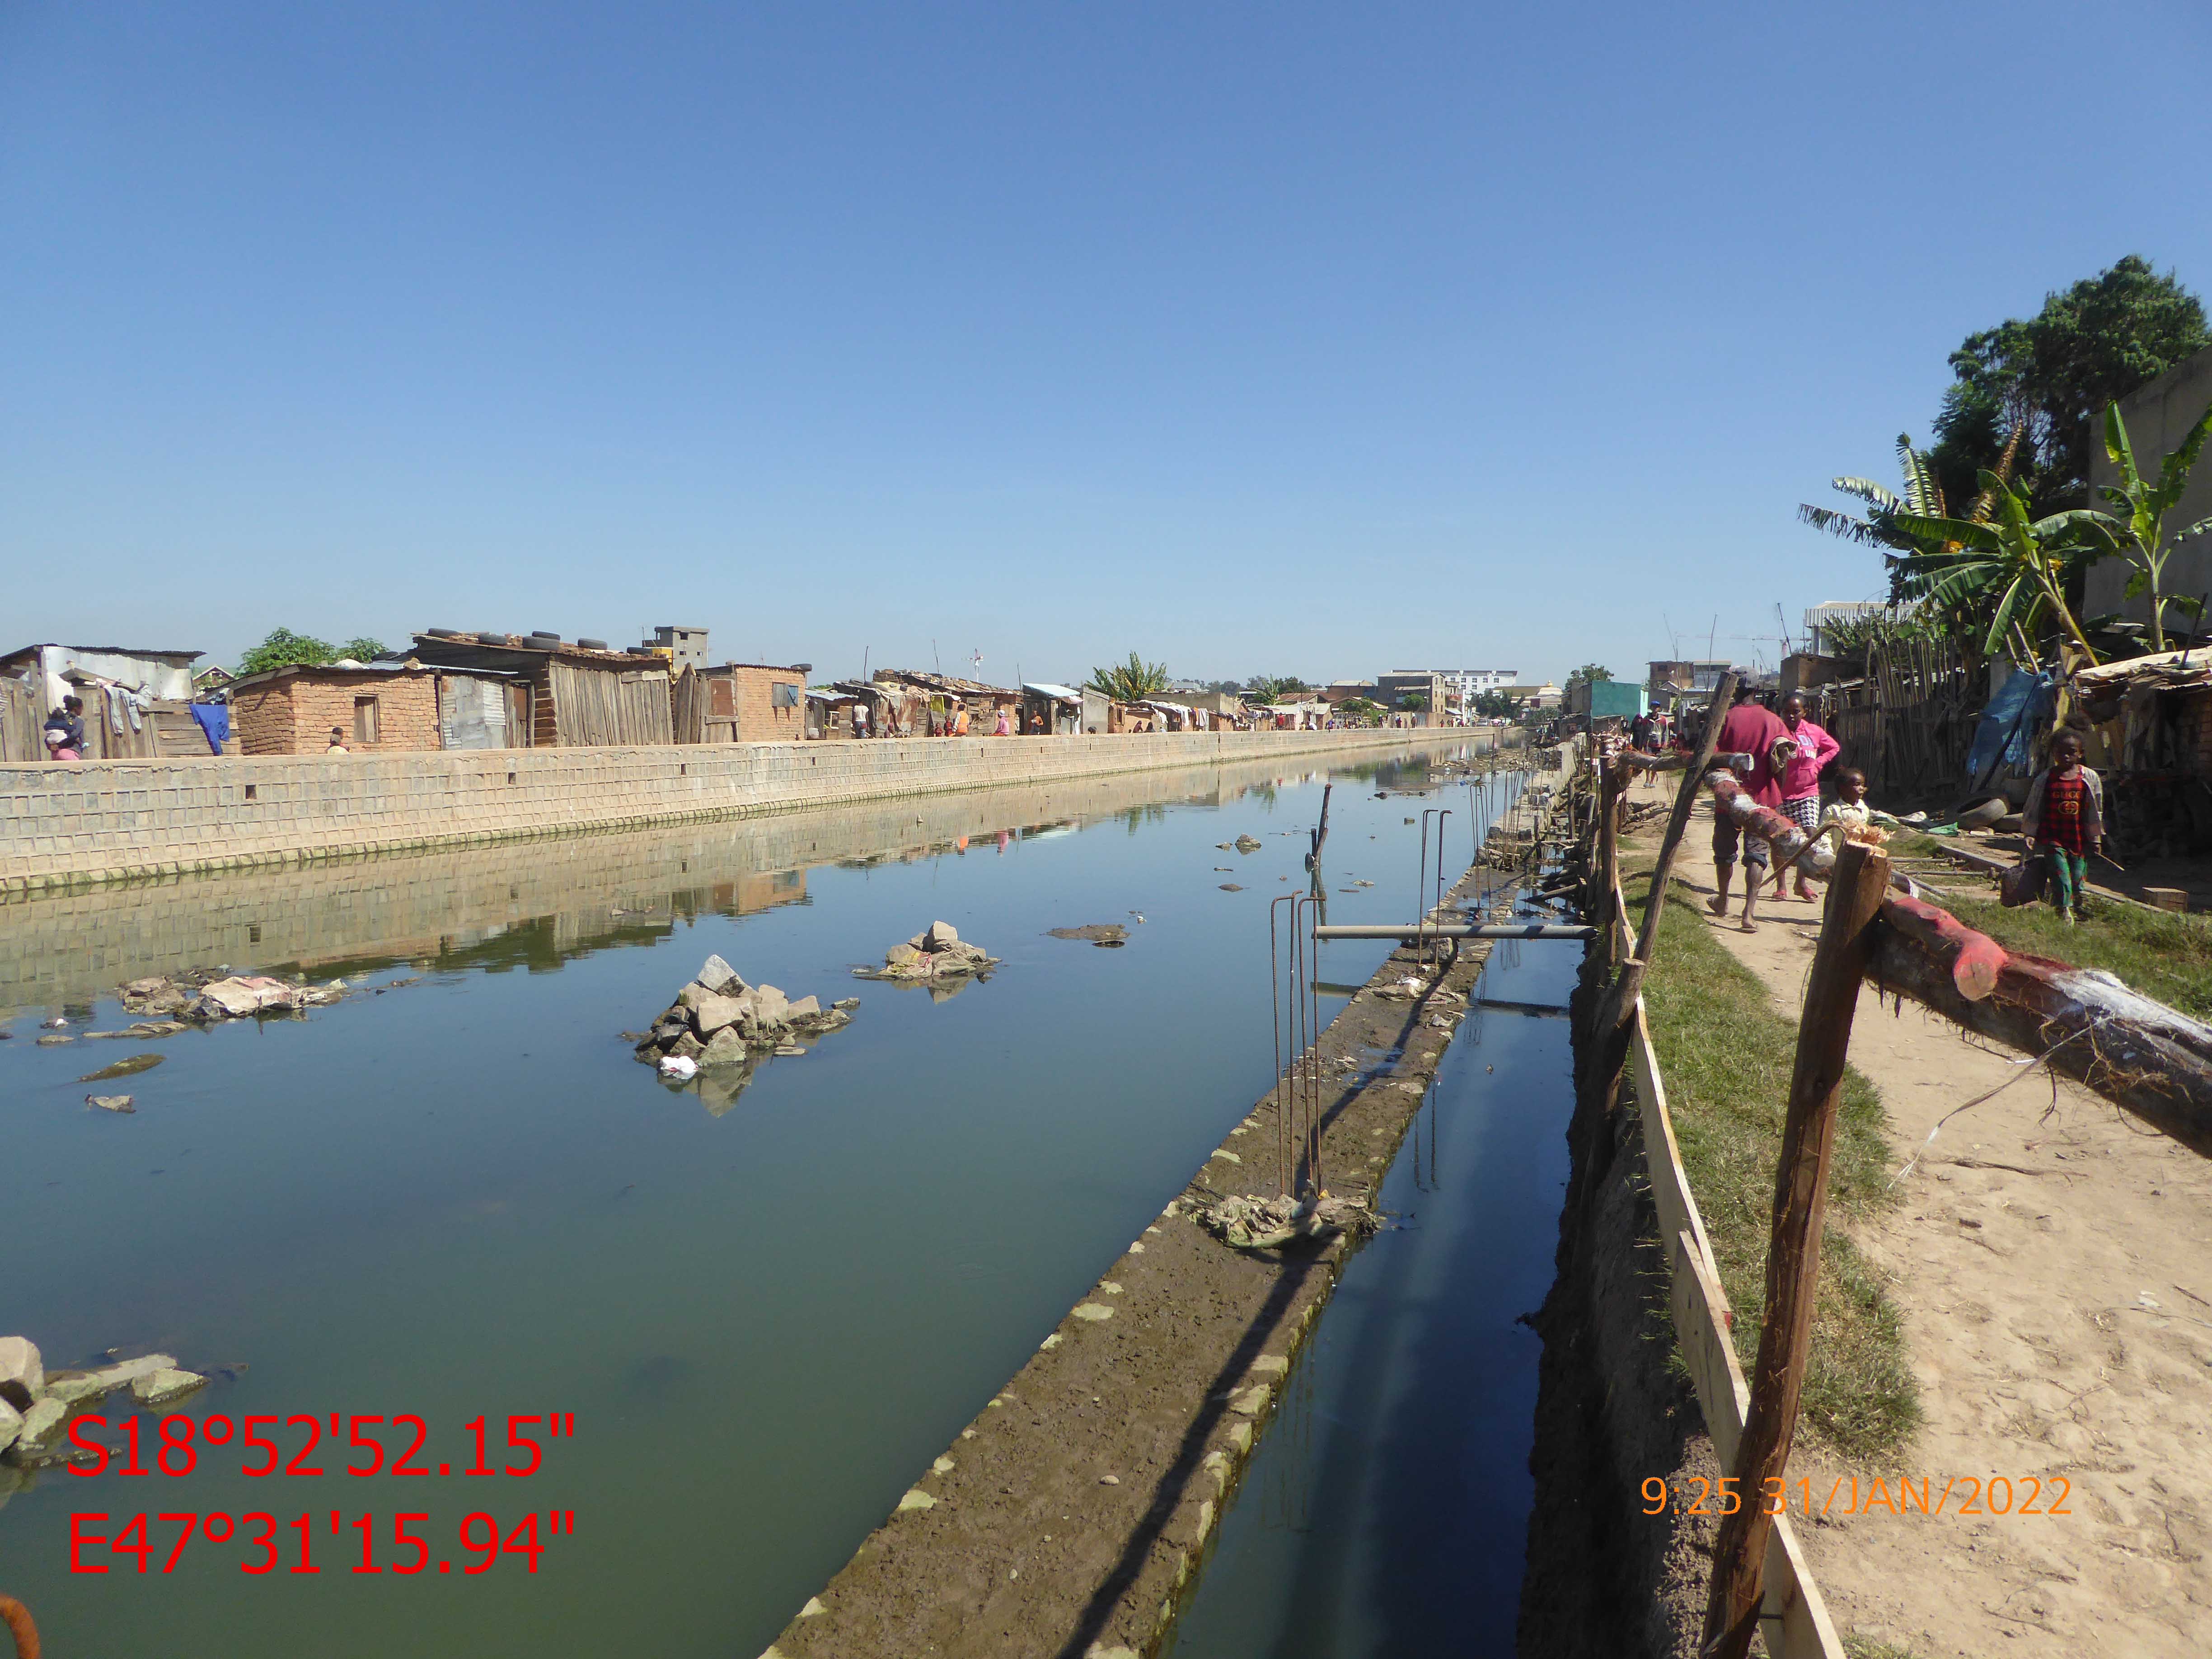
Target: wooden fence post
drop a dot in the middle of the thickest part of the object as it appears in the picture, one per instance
(1792, 1252)
(1618, 1010)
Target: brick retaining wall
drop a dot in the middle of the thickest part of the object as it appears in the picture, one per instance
(66, 825)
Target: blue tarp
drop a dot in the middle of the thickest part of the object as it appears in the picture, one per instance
(215, 722)
(2008, 724)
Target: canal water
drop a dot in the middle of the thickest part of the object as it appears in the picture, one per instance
(1386, 1512)
(462, 1197)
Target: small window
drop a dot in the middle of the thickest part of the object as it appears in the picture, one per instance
(785, 694)
(364, 720)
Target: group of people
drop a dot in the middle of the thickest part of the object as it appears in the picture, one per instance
(1779, 758)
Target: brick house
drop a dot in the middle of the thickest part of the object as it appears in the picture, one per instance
(291, 711)
(741, 702)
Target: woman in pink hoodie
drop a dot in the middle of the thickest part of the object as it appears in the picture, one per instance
(1801, 784)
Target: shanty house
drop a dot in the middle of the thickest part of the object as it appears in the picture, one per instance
(947, 697)
(375, 707)
(1050, 710)
(741, 702)
(137, 702)
(576, 694)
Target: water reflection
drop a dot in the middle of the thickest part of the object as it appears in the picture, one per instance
(536, 904)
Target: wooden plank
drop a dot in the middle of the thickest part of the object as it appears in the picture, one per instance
(1793, 1255)
(1662, 1155)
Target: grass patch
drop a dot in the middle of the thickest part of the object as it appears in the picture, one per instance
(2159, 953)
(1726, 1054)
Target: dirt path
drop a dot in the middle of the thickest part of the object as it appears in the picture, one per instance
(2060, 1324)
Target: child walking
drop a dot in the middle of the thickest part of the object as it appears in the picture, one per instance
(2065, 822)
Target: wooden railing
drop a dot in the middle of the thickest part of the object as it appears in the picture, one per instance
(1793, 1617)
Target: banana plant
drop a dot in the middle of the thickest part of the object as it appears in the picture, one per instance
(2141, 516)
(2010, 569)
(1131, 682)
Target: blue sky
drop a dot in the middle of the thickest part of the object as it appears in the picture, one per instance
(1281, 338)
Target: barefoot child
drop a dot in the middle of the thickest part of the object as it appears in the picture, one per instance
(1848, 811)
(2065, 822)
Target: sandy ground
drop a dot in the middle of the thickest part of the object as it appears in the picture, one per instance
(2059, 1318)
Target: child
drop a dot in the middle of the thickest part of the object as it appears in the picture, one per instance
(1849, 810)
(2065, 822)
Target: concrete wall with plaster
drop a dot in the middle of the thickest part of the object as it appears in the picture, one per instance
(65, 825)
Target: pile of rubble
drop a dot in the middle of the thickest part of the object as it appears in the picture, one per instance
(210, 995)
(934, 953)
(1248, 1223)
(35, 1403)
(720, 1020)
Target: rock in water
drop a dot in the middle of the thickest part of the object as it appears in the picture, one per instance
(941, 936)
(20, 1363)
(112, 1102)
(729, 1048)
(123, 1068)
(1247, 844)
(710, 1012)
(718, 975)
(160, 1387)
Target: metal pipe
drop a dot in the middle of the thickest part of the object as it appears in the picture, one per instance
(1413, 930)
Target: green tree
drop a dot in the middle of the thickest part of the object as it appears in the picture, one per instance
(1413, 702)
(363, 649)
(284, 649)
(2013, 569)
(2050, 376)
(1133, 681)
(1357, 708)
(1495, 705)
(1589, 674)
(2140, 522)
(1267, 688)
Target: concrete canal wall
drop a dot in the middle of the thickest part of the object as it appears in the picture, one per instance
(66, 825)
(573, 894)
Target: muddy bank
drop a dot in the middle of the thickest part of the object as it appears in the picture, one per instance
(1603, 1578)
(1071, 1513)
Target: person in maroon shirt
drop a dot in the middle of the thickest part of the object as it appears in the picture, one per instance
(1748, 733)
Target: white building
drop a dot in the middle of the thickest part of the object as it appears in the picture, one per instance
(1467, 681)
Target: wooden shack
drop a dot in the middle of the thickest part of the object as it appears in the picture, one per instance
(945, 697)
(137, 702)
(739, 702)
(578, 693)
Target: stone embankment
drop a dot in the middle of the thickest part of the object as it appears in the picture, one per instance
(1073, 1513)
(61, 826)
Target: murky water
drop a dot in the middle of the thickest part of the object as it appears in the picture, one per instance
(1386, 1512)
(464, 1197)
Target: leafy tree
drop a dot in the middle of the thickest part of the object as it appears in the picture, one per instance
(2015, 569)
(2143, 508)
(1413, 702)
(2050, 375)
(1589, 674)
(1357, 708)
(1268, 688)
(284, 649)
(1493, 705)
(1133, 681)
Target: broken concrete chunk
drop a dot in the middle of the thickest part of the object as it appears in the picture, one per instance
(898, 955)
(20, 1363)
(716, 975)
(710, 1012)
(69, 1386)
(805, 1008)
(44, 1417)
(234, 998)
(729, 1048)
(112, 1102)
(128, 1068)
(940, 936)
(11, 1424)
(160, 1387)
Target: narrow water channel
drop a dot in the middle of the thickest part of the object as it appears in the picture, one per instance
(1386, 1512)
(464, 1197)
